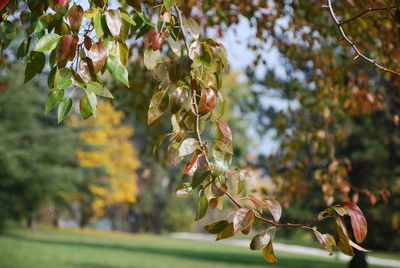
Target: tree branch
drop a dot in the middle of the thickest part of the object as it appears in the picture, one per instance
(353, 45)
(182, 28)
(370, 9)
(203, 148)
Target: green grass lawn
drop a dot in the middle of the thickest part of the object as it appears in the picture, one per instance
(90, 249)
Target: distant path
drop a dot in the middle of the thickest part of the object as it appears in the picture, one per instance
(284, 247)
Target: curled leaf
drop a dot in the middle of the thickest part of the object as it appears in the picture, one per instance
(262, 239)
(199, 176)
(342, 237)
(155, 110)
(268, 253)
(188, 146)
(326, 240)
(358, 221)
(274, 207)
(184, 190)
(216, 227)
(242, 219)
(226, 232)
(202, 207)
(208, 100)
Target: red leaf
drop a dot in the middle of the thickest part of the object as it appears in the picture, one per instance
(208, 100)
(3, 3)
(67, 48)
(98, 55)
(225, 130)
(87, 42)
(198, 160)
(63, 2)
(155, 40)
(75, 16)
(358, 221)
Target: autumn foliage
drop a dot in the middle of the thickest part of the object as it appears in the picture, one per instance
(83, 47)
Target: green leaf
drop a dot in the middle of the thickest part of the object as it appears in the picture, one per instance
(342, 238)
(92, 101)
(54, 97)
(63, 109)
(216, 227)
(205, 54)
(127, 18)
(159, 140)
(98, 89)
(8, 32)
(268, 253)
(98, 25)
(202, 207)
(84, 107)
(226, 232)
(199, 176)
(117, 70)
(192, 27)
(63, 83)
(90, 13)
(184, 190)
(47, 42)
(34, 65)
(155, 110)
(151, 58)
(146, 20)
(169, 3)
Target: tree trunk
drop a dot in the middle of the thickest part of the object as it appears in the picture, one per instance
(30, 222)
(358, 260)
(158, 217)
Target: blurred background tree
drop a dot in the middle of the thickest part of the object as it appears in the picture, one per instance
(37, 157)
(107, 144)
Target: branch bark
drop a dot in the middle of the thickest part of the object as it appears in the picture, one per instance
(352, 44)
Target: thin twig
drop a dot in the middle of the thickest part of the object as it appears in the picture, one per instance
(370, 9)
(353, 45)
(182, 28)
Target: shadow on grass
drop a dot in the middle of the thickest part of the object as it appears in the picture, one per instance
(185, 253)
